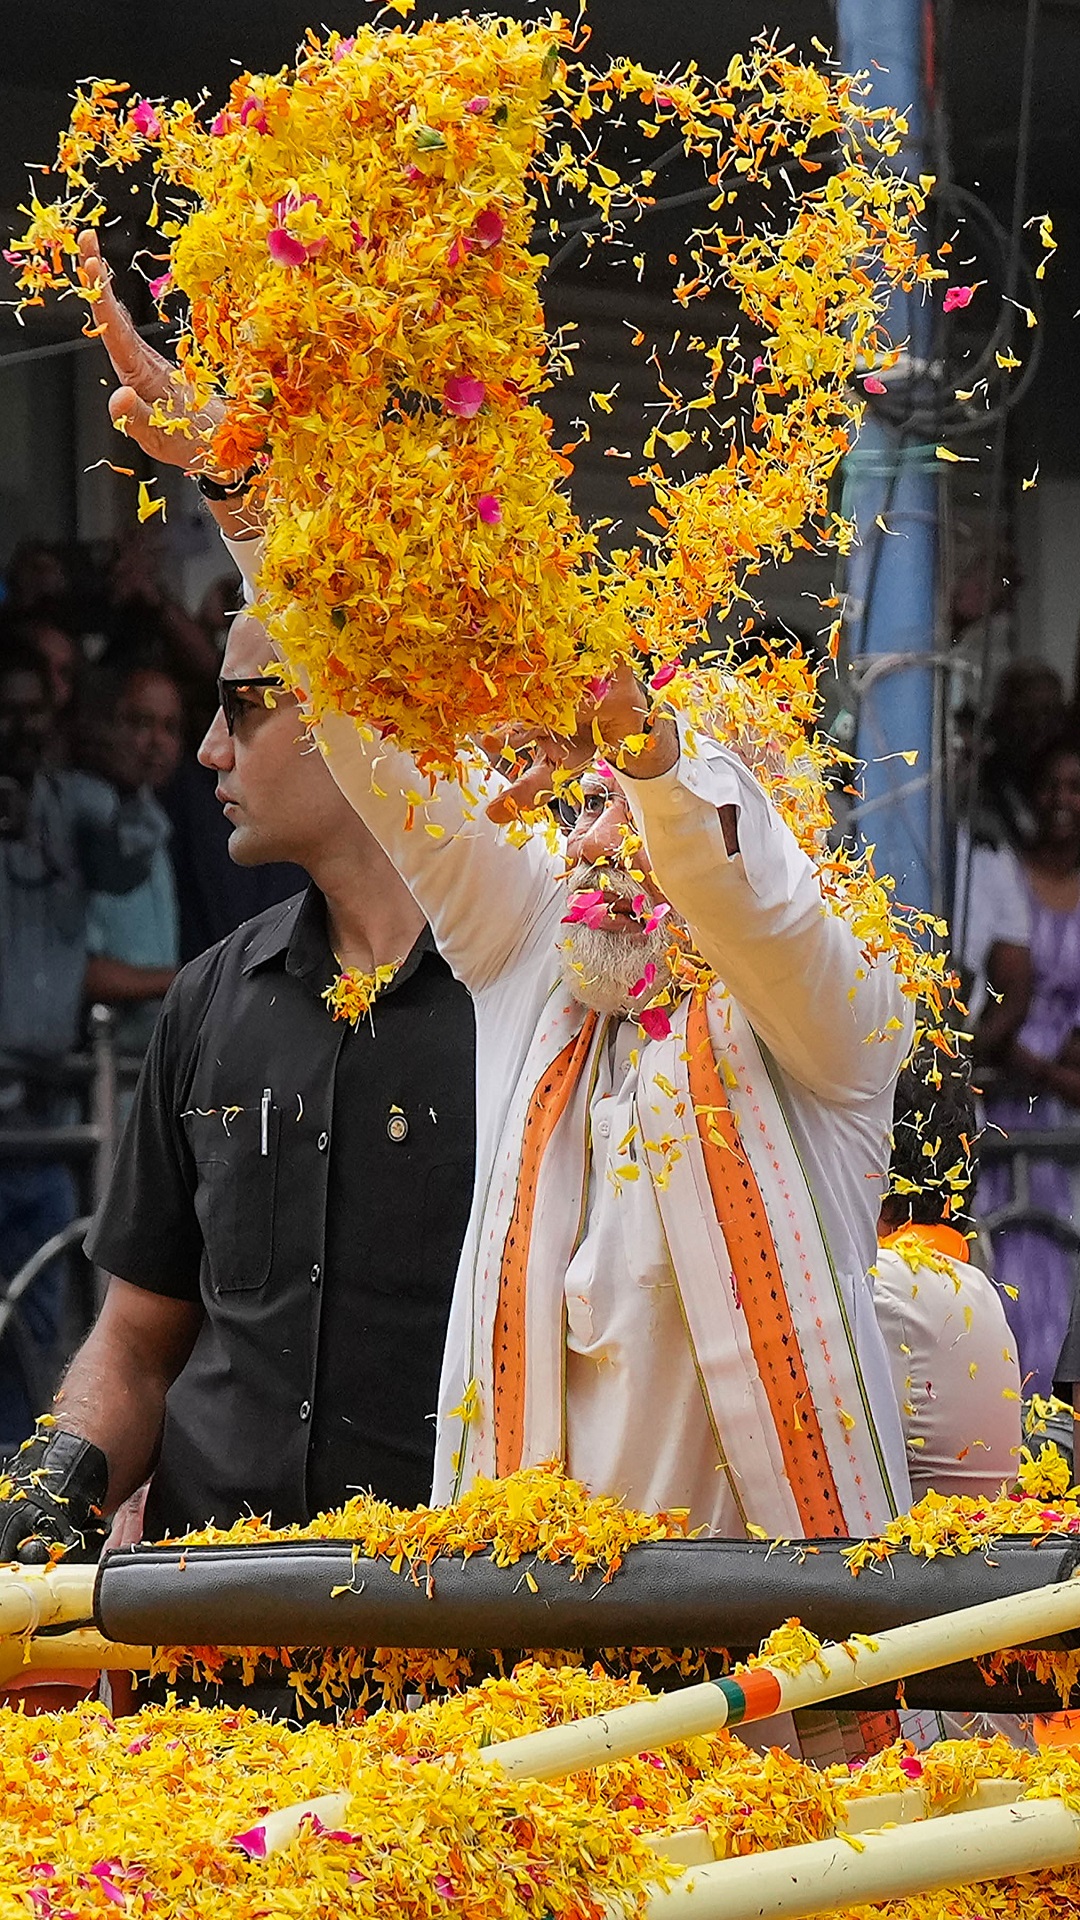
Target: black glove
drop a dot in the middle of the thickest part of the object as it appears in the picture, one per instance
(53, 1492)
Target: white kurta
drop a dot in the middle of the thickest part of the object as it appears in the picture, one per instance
(637, 1424)
(953, 1359)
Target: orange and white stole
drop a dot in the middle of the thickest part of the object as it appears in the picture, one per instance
(763, 1311)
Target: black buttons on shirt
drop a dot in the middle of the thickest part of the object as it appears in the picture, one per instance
(305, 1410)
(324, 1142)
(316, 1274)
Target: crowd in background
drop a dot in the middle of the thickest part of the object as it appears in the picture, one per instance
(114, 871)
(114, 867)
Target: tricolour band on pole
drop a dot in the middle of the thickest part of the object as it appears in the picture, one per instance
(845, 1667)
(896, 1864)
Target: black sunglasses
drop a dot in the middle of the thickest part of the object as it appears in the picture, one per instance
(229, 692)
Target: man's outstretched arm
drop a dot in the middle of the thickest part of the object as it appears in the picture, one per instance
(113, 1393)
(757, 914)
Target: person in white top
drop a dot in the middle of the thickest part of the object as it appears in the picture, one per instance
(952, 1352)
(664, 1278)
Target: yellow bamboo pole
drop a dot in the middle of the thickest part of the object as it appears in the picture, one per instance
(691, 1846)
(82, 1651)
(849, 1666)
(899, 1863)
(33, 1597)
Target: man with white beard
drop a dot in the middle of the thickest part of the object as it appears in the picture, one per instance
(663, 1278)
(663, 1281)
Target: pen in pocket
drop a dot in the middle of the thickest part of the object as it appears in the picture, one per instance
(264, 1122)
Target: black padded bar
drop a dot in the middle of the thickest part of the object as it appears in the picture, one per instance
(696, 1593)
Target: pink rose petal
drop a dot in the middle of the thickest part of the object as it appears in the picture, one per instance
(145, 121)
(912, 1767)
(659, 912)
(283, 247)
(662, 676)
(646, 981)
(581, 905)
(654, 1022)
(956, 297)
(463, 396)
(253, 1842)
(456, 254)
(489, 510)
(486, 230)
(344, 46)
(874, 385)
(478, 104)
(359, 238)
(253, 113)
(160, 286)
(219, 124)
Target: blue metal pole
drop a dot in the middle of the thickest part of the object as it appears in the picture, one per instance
(890, 584)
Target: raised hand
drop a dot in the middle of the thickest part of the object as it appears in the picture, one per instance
(617, 712)
(149, 384)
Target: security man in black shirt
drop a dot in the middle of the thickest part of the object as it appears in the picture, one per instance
(290, 1195)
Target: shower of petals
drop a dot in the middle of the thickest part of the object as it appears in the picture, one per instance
(403, 373)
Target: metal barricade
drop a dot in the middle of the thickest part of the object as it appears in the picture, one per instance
(87, 1145)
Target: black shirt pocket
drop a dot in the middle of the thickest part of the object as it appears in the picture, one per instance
(236, 1162)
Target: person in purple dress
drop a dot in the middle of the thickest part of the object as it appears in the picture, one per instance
(1029, 1035)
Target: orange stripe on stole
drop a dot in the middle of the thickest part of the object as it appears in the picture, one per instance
(546, 1108)
(759, 1286)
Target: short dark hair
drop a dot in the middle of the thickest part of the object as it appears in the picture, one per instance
(18, 656)
(933, 1139)
(1064, 745)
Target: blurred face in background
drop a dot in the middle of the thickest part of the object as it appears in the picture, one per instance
(150, 725)
(1057, 801)
(36, 575)
(60, 655)
(1029, 709)
(25, 722)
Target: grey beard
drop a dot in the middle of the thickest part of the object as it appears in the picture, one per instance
(599, 968)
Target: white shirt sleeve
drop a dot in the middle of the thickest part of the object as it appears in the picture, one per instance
(758, 917)
(954, 1368)
(487, 900)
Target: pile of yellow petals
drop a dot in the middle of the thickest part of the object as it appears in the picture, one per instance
(536, 1514)
(161, 1814)
(1043, 1504)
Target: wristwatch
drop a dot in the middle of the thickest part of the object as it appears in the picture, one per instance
(212, 489)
